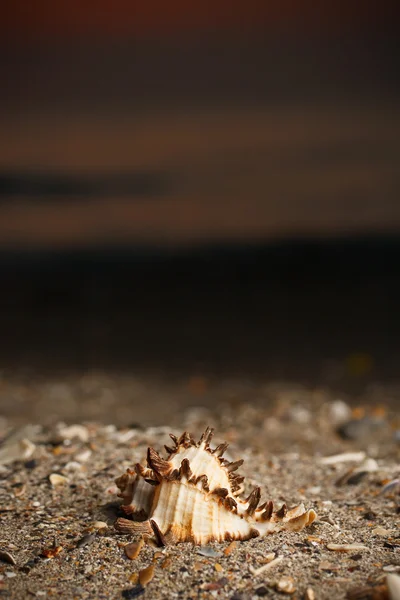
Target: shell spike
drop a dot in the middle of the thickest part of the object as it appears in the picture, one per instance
(185, 470)
(203, 479)
(281, 513)
(234, 465)
(230, 503)
(160, 466)
(219, 450)
(221, 492)
(185, 440)
(253, 501)
(267, 514)
(206, 437)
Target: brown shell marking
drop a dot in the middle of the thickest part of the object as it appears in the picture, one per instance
(194, 495)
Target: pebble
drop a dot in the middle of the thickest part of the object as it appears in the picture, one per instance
(358, 428)
(74, 431)
(7, 557)
(355, 475)
(83, 456)
(16, 450)
(300, 414)
(261, 591)
(56, 479)
(229, 549)
(381, 531)
(393, 584)
(315, 490)
(267, 558)
(10, 574)
(218, 567)
(132, 550)
(52, 552)
(346, 547)
(286, 585)
(325, 565)
(99, 525)
(339, 412)
(208, 551)
(20, 490)
(146, 575)
(167, 563)
(390, 486)
(309, 594)
(73, 465)
(341, 458)
(86, 540)
(391, 568)
(138, 590)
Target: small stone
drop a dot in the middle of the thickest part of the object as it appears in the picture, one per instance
(229, 549)
(356, 429)
(52, 552)
(267, 558)
(325, 565)
(56, 479)
(83, 456)
(74, 432)
(381, 532)
(10, 574)
(134, 578)
(99, 525)
(390, 486)
(370, 515)
(208, 551)
(218, 567)
(286, 585)
(28, 566)
(393, 584)
(341, 458)
(391, 568)
(20, 490)
(346, 547)
(138, 590)
(86, 540)
(309, 594)
(339, 412)
(146, 575)
(73, 465)
(7, 557)
(132, 550)
(261, 591)
(166, 563)
(13, 450)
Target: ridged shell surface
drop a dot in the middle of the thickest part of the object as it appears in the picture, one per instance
(194, 495)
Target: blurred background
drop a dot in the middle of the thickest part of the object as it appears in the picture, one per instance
(197, 192)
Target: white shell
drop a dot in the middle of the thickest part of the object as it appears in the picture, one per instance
(194, 496)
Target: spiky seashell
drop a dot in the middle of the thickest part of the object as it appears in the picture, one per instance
(194, 495)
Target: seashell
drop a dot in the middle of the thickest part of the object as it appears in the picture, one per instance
(194, 495)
